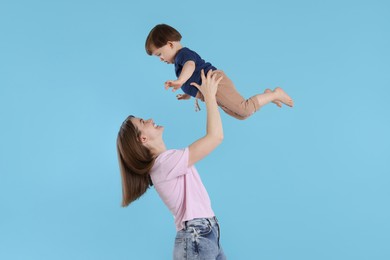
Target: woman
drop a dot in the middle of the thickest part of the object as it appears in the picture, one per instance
(144, 159)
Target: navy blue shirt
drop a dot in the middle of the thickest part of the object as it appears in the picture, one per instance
(184, 55)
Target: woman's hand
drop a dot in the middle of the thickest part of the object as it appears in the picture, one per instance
(209, 85)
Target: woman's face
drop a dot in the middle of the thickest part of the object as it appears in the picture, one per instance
(148, 128)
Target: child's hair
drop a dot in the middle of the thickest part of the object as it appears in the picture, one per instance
(159, 36)
(135, 162)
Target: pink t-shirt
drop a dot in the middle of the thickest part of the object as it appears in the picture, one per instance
(180, 187)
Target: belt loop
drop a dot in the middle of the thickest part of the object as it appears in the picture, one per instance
(208, 220)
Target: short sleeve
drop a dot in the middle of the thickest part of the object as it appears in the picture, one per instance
(170, 164)
(184, 56)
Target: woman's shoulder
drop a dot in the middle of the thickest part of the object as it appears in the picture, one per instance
(172, 160)
(171, 153)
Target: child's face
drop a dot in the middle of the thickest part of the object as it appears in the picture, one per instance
(166, 53)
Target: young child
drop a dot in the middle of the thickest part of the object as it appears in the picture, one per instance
(163, 41)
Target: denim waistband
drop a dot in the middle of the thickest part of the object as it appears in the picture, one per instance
(212, 221)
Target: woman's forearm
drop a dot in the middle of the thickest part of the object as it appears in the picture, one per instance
(214, 132)
(214, 123)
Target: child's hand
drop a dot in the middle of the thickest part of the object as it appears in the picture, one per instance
(183, 96)
(174, 84)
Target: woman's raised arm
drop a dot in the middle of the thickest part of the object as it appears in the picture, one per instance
(214, 131)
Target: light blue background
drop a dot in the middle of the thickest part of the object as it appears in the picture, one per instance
(310, 182)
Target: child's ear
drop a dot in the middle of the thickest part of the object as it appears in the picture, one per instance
(170, 44)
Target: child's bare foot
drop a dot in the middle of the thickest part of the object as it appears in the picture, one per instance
(283, 97)
(276, 102)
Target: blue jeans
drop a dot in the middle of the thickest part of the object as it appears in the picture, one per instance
(199, 240)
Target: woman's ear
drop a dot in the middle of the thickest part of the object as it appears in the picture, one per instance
(143, 139)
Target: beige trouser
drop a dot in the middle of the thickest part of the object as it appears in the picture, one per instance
(231, 101)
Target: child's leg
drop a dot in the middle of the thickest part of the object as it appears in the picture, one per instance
(231, 101)
(276, 102)
(237, 106)
(276, 96)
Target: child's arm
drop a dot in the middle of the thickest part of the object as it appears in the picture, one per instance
(186, 73)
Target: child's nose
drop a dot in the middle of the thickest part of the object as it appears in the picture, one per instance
(161, 58)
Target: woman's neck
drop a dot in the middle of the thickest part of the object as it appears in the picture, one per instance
(158, 149)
